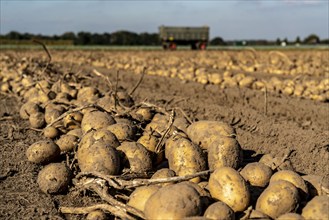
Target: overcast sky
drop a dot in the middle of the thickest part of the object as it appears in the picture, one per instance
(244, 19)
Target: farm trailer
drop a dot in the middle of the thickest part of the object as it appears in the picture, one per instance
(197, 37)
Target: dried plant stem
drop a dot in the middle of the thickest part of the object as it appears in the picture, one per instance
(139, 82)
(85, 210)
(158, 147)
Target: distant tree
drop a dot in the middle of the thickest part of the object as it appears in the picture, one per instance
(68, 36)
(217, 41)
(312, 39)
(13, 35)
(297, 41)
(83, 38)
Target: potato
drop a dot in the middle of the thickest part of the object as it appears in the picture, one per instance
(181, 123)
(143, 114)
(290, 216)
(275, 163)
(149, 141)
(317, 208)
(159, 124)
(317, 185)
(37, 120)
(255, 214)
(88, 94)
(96, 215)
(96, 120)
(184, 157)
(294, 178)
(219, 211)
(52, 112)
(98, 157)
(106, 136)
(54, 178)
(140, 195)
(163, 173)
(124, 98)
(137, 158)
(123, 132)
(224, 152)
(76, 132)
(51, 132)
(43, 152)
(27, 109)
(167, 203)
(257, 174)
(278, 198)
(203, 133)
(67, 142)
(228, 186)
(73, 120)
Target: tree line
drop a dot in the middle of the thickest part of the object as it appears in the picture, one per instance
(148, 39)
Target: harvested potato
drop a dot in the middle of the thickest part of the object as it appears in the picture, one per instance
(276, 163)
(290, 216)
(317, 208)
(96, 215)
(51, 132)
(219, 211)
(255, 214)
(67, 142)
(158, 124)
(54, 178)
(163, 173)
(98, 157)
(143, 114)
(167, 203)
(278, 198)
(294, 178)
(88, 94)
(140, 195)
(317, 185)
(52, 112)
(27, 109)
(73, 120)
(137, 158)
(203, 133)
(96, 120)
(184, 157)
(123, 132)
(227, 185)
(37, 120)
(43, 152)
(257, 174)
(224, 152)
(76, 132)
(181, 123)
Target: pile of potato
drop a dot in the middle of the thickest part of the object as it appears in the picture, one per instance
(189, 170)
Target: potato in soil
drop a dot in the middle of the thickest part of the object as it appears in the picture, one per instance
(228, 186)
(203, 133)
(173, 202)
(140, 195)
(28, 108)
(219, 211)
(136, 157)
(96, 120)
(54, 178)
(98, 157)
(43, 152)
(317, 208)
(257, 174)
(67, 142)
(278, 198)
(291, 216)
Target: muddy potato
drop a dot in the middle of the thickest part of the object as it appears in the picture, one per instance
(37, 120)
(143, 114)
(290, 216)
(278, 198)
(257, 174)
(181, 123)
(98, 157)
(224, 152)
(76, 132)
(51, 132)
(294, 178)
(140, 195)
(317, 208)
(52, 112)
(54, 178)
(73, 120)
(275, 163)
(163, 173)
(158, 123)
(43, 152)
(219, 211)
(28, 109)
(255, 214)
(96, 215)
(203, 133)
(150, 141)
(136, 157)
(167, 203)
(96, 120)
(228, 186)
(123, 132)
(67, 142)
(88, 94)
(184, 157)
(106, 136)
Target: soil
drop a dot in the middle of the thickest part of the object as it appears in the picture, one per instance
(290, 123)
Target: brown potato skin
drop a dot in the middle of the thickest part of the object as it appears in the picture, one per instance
(98, 157)
(167, 203)
(278, 198)
(67, 142)
(317, 208)
(43, 152)
(219, 211)
(54, 178)
(140, 195)
(96, 120)
(257, 174)
(228, 186)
